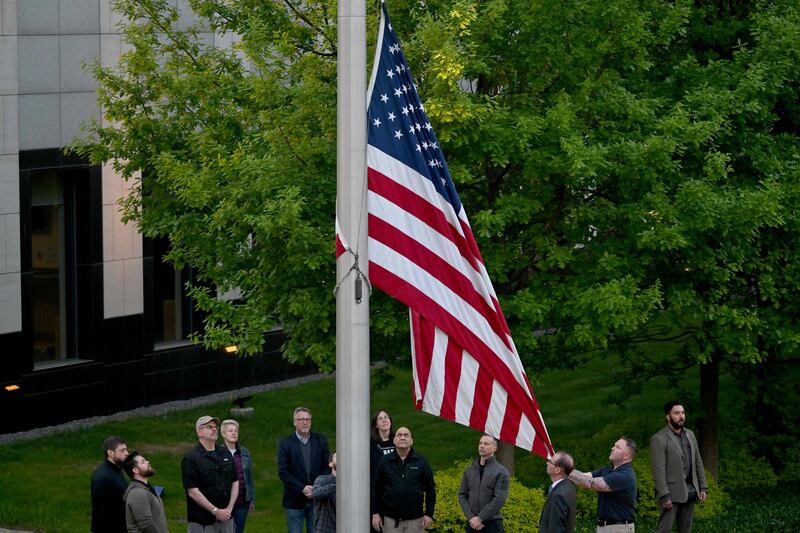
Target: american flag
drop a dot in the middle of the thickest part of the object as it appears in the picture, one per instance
(423, 253)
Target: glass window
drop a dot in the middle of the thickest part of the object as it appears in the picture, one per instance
(173, 313)
(52, 263)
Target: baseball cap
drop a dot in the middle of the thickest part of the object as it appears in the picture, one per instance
(203, 420)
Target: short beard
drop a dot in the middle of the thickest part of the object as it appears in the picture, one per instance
(676, 425)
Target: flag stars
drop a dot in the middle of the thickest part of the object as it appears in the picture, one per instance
(398, 134)
(390, 74)
(405, 110)
(391, 116)
(411, 130)
(405, 88)
(428, 126)
(384, 98)
(417, 126)
(376, 123)
(419, 149)
(398, 93)
(425, 144)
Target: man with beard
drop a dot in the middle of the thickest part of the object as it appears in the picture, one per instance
(144, 511)
(108, 485)
(677, 470)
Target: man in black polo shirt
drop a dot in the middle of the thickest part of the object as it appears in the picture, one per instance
(209, 478)
(616, 488)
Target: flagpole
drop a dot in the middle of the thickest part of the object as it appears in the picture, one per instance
(352, 314)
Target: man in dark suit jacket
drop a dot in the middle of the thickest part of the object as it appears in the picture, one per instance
(301, 458)
(560, 507)
(678, 471)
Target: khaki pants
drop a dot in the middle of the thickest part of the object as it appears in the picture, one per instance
(216, 527)
(616, 528)
(403, 526)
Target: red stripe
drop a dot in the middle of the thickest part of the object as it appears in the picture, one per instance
(425, 305)
(339, 247)
(421, 208)
(432, 263)
(452, 375)
(423, 331)
(481, 399)
(510, 428)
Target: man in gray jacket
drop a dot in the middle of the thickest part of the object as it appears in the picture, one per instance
(144, 511)
(677, 470)
(484, 489)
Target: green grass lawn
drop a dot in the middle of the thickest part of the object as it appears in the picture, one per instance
(44, 483)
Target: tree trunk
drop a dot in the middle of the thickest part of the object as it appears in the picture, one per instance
(709, 429)
(505, 456)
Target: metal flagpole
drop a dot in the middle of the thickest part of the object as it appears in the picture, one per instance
(352, 298)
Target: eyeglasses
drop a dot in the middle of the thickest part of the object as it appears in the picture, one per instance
(304, 419)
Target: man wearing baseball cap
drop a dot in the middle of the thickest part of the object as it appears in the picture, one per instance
(209, 478)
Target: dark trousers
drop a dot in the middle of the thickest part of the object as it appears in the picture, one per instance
(682, 513)
(239, 517)
(490, 526)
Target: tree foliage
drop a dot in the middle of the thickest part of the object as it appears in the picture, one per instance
(630, 168)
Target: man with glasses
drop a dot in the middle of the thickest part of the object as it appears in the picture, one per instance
(560, 507)
(302, 457)
(209, 478)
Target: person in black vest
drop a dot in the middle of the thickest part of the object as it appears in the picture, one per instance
(209, 477)
(403, 491)
(616, 488)
(484, 490)
(302, 457)
(560, 507)
(108, 486)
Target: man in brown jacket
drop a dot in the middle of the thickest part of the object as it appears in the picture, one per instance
(677, 470)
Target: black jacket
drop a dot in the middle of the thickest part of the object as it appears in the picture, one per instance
(292, 468)
(108, 507)
(558, 513)
(400, 486)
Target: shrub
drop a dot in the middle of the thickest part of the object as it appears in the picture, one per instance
(520, 513)
(742, 472)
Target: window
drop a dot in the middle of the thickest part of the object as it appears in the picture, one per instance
(53, 266)
(173, 312)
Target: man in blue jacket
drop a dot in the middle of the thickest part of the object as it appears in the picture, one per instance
(403, 490)
(302, 457)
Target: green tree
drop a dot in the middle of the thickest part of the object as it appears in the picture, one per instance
(630, 168)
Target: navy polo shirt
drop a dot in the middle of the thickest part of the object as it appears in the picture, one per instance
(619, 505)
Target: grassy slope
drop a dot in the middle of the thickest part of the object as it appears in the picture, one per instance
(44, 483)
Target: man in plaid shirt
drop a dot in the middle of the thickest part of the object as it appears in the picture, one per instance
(324, 494)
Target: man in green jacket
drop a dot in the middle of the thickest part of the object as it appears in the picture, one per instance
(677, 470)
(144, 511)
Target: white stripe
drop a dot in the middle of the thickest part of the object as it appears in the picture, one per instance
(526, 433)
(404, 268)
(429, 238)
(497, 409)
(376, 59)
(466, 387)
(434, 391)
(417, 387)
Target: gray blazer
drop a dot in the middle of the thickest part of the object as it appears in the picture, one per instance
(666, 456)
(560, 508)
(483, 497)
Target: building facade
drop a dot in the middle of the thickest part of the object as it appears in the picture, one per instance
(92, 321)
